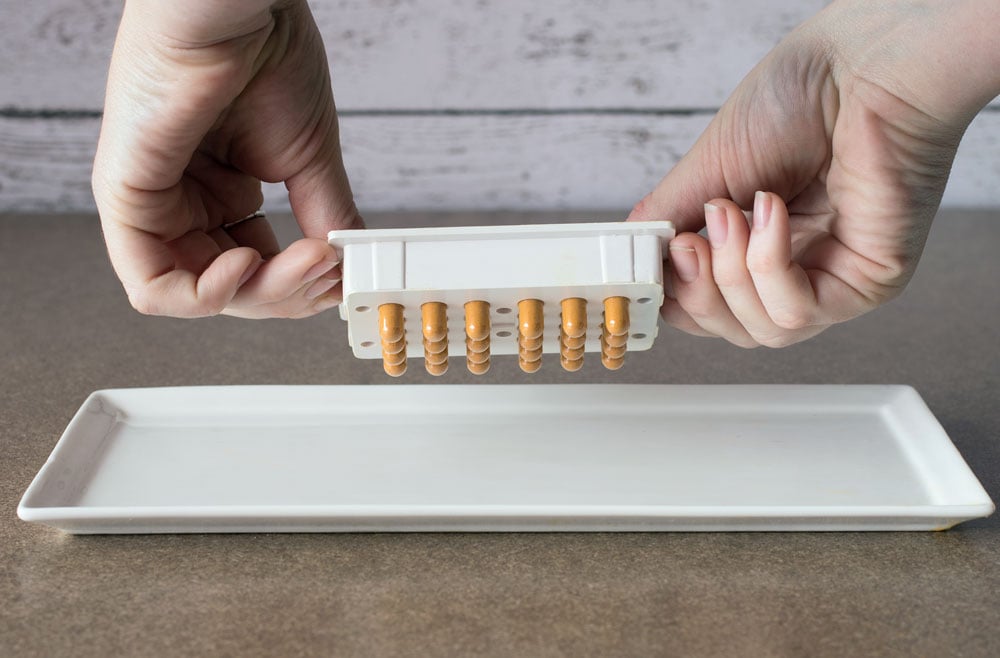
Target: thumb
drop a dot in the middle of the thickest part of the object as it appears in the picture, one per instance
(320, 192)
(680, 197)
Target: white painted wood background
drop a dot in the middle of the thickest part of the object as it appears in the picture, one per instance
(450, 104)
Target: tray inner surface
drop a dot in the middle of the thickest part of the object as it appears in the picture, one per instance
(474, 457)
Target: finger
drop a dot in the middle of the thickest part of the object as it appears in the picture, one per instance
(183, 292)
(671, 310)
(674, 315)
(284, 276)
(728, 235)
(785, 290)
(310, 298)
(697, 292)
(319, 192)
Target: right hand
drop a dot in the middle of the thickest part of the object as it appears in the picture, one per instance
(852, 121)
(205, 99)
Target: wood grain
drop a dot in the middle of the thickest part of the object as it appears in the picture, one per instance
(465, 162)
(449, 53)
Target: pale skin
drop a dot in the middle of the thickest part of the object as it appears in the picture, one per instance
(821, 173)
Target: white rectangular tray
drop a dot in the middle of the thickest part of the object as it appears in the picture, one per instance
(503, 458)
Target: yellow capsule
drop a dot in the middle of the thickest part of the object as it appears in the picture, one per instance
(394, 359)
(390, 323)
(394, 371)
(529, 355)
(571, 365)
(436, 358)
(530, 343)
(571, 353)
(572, 343)
(394, 348)
(435, 320)
(479, 368)
(436, 347)
(477, 320)
(477, 345)
(530, 318)
(614, 341)
(612, 363)
(613, 352)
(529, 366)
(574, 317)
(616, 315)
(477, 357)
(437, 369)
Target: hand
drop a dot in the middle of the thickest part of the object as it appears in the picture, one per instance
(853, 120)
(205, 99)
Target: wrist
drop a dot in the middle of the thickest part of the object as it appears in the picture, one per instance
(940, 57)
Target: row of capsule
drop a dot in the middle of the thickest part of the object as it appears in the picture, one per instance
(530, 331)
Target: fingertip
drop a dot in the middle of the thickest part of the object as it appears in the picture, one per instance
(770, 248)
(689, 257)
(768, 208)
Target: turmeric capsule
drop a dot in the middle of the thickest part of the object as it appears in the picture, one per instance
(530, 343)
(435, 348)
(435, 321)
(530, 318)
(615, 341)
(394, 359)
(572, 343)
(477, 345)
(571, 365)
(573, 354)
(529, 366)
(437, 369)
(394, 371)
(477, 357)
(574, 317)
(616, 315)
(477, 320)
(529, 355)
(394, 348)
(612, 363)
(390, 322)
(613, 352)
(436, 359)
(479, 368)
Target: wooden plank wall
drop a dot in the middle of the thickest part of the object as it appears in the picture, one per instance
(450, 104)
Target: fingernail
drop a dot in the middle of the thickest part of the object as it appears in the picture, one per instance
(717, 223)
(250, 271)
(321, 286)
(761, 210)
(319, 269)
(685, 262)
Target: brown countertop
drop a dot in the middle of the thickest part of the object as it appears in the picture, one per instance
(66, 329)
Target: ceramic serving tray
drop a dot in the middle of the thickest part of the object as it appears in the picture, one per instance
(503, 458)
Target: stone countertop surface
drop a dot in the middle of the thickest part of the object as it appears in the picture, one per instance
(66, 329)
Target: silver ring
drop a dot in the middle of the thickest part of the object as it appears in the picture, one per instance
(253, 215)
